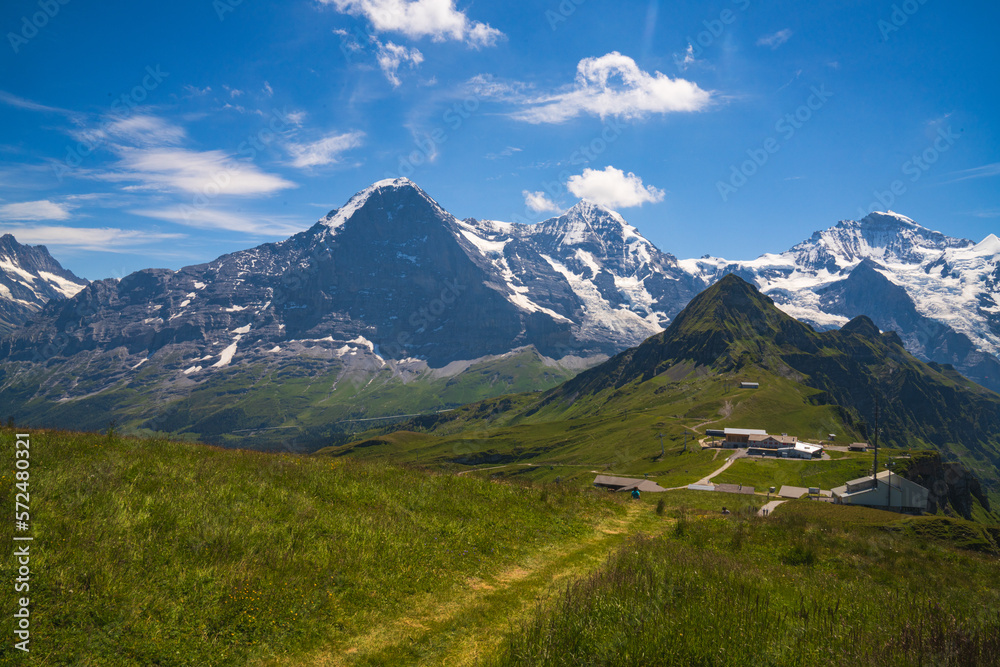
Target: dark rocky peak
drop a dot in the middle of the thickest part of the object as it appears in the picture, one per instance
(33, 259)
(387, 208)
(861, 326)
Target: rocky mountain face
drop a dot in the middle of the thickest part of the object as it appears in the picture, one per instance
(29, 278)
(390, 283)
(393, 273)
(941, 294)
(953, 487)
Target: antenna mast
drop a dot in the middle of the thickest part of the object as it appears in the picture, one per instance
(875, 467)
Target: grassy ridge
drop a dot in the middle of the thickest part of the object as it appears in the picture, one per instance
(795, 589)
(152, 552)
(615, 430)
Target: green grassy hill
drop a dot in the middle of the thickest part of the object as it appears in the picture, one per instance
(156, 552)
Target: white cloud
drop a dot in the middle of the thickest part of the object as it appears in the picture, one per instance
(613, 85)
(390, 56)
(688, 59)
(102, 239)
(985, 171)
(268, 90)
(208, 173)
(325, 151)
(34, 210)
(482, 34)
(507, 152)
(195, 91)
(205, 218)
(149, 152)
(613, 188)
(143, 130)
(485, 85)
(437, 19)
(775, 40)
(22, 103)
(539, 202)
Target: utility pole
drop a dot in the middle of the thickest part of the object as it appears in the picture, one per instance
(889, 465)
(685, 442)
(661, 444)
(875, 466)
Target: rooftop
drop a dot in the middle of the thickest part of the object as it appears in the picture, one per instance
(783, 439)
(627, 483)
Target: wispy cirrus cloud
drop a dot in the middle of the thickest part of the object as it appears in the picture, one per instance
(215, 172)
(776, 39)
(609, 85)
(985, 171)
(150, 154)
(204, 218)
(42, 209)
(323, 151)
(506, 152)
(22, 103)
(136, 130)
(99, 239)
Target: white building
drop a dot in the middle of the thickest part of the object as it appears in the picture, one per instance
(804, 451)
(887, 491)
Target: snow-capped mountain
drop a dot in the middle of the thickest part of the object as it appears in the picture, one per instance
(588, 268)
(30, 277)
(389, 276)
(940, 293)
(393, 288)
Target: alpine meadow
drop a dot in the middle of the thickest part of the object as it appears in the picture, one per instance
(418, 332)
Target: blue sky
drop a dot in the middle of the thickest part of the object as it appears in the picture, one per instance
(134, 136)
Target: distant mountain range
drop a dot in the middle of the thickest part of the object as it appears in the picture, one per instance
(30, 278)
(941, 294)
(392, 286)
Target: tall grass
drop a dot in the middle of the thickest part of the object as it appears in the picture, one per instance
(778, 592)
(152, 552)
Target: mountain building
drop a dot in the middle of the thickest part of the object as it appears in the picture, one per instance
(885, 491)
